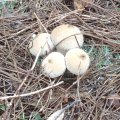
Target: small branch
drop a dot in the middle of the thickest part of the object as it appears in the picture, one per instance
(31, 93)
(112, 97)
(40, 23)
(67, 107)
(19, 32)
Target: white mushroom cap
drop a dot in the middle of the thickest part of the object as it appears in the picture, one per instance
(41, 42)
(54, 65)
(77, 61)
(66, 37)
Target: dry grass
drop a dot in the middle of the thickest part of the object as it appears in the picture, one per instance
(100, 23)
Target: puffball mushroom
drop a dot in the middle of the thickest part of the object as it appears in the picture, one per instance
(66, 37)
(54, 65)
(77, 61)
(42, 42)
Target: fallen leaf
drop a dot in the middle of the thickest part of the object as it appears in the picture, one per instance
(80, 4)
(58, 115)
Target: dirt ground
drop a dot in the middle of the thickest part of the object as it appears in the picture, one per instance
(92, 96)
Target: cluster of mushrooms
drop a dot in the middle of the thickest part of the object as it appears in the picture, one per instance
(68, 40)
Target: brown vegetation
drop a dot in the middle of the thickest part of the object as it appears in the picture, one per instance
(95, 94)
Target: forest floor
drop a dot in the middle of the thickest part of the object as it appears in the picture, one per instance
(92, 96)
